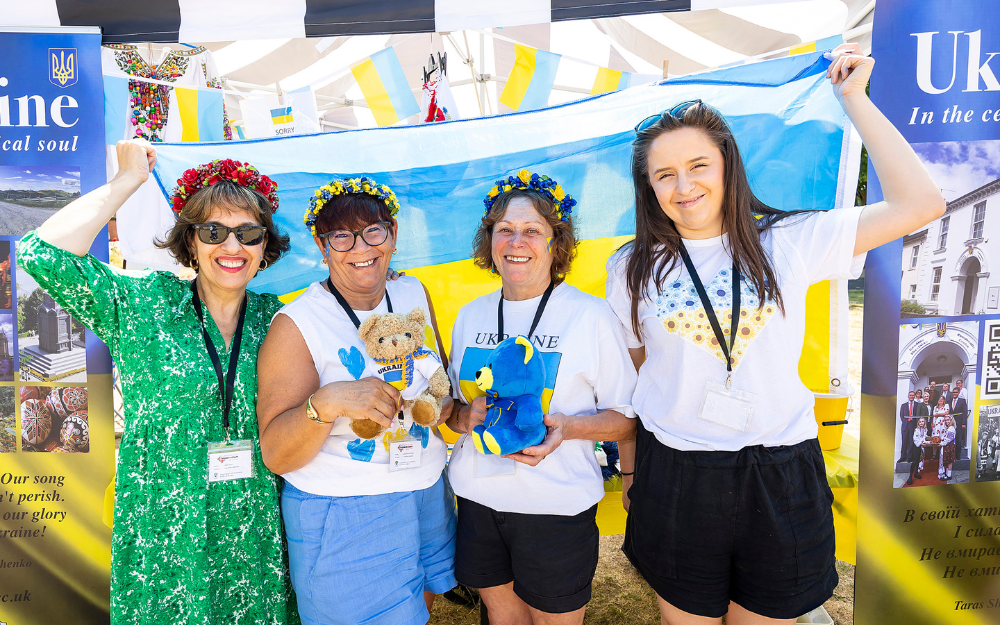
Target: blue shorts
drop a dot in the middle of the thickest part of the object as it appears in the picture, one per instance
(369, 559)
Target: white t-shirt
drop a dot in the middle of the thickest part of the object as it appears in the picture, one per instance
(587, 370)
(682, 353)
(347, 465)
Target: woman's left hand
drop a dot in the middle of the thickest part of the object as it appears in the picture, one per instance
(849, 72)
(392, 275)
(555, 424)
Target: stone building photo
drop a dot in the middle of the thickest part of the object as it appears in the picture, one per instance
(937, 361)
(946, 265)
(50, 342)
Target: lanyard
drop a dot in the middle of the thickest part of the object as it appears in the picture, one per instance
(347, 307)
(226, 384)
(538, 312)
(727, 351)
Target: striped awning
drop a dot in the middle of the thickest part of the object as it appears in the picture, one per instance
(169, 21)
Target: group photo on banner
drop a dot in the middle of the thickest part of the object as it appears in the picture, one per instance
(467, 314)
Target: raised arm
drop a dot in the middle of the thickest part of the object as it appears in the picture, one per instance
(75, 227)
(912, 199)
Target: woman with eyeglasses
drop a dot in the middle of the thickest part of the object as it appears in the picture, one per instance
(197, 530)
(729, 507)
(371, 531)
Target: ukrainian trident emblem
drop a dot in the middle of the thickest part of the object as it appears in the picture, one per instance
(62, 67)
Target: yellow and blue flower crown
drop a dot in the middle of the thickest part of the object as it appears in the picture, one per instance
(348, 185)
(524, 179)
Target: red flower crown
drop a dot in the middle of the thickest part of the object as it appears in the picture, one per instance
(220, 170)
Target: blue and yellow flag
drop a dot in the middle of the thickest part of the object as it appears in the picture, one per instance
(530, 81)
(201, 114)
(383, 82)
(796, 157)
(610, 80)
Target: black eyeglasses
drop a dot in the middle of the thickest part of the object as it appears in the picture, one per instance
(677, 111)
(344, 240)
(214, 234)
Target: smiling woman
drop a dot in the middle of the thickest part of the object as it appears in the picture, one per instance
(179, 554)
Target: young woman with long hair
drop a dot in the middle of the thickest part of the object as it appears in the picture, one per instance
(729, 508)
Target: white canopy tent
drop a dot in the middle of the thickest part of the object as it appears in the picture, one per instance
(479, 60)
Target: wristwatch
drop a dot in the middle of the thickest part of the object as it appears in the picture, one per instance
(312, 414)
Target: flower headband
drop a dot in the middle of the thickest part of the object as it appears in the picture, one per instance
(543, 184)
(342, 187)
(220, 170)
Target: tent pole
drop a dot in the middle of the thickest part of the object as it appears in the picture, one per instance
(472, 68)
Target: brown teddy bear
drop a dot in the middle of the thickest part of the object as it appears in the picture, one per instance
(396, 343)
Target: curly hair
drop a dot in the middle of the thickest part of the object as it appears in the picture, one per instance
(562, 246)
(179, 240)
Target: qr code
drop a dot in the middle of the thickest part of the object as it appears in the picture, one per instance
(991, 361)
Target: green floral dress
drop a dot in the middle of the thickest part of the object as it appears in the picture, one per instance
(183, 551)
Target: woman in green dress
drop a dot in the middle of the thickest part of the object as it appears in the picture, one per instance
(190, 545)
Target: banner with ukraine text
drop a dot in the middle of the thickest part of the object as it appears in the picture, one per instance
(793, 132)
(928, 517)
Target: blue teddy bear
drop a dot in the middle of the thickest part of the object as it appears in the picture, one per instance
(513, 380)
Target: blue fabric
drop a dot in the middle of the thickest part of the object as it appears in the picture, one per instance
(784, 115)
(369, 559)
(537, 94)
(211, 118)
(116, 98)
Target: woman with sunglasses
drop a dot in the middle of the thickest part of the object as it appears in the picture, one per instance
(371, 532)
(197, 532)
(729, 507)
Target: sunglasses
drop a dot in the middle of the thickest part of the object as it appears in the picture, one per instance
(214, 234)
(677, 111)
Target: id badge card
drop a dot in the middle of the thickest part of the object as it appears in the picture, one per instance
(405, 454)
(729, 407)
(489, 466)
(230, 460)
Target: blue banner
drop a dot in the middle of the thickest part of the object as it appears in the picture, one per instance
(931, 382)
(55, 378)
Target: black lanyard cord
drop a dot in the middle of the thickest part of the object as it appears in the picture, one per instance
(538, 312)
(347, 307)
(227, 384)
(727, 351)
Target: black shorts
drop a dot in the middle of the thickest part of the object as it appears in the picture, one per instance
(753, 526)
(550, 558)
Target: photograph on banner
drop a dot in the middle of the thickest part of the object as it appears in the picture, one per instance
(30, 195)
(8, 420)
(937, 362)
(989, 388)
(6, 294)
(8, 347)
(946, 263)
(50, 343)
(988, 444)
(54, 419)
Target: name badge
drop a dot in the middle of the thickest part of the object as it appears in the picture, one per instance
(231, 460)
(405, 454)
(731, 408)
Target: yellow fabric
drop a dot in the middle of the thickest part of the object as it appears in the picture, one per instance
(376, 96)
(108, 514)
(805, 48)
(814, 363)
(187, 108)
(607, 80)
(520, 76)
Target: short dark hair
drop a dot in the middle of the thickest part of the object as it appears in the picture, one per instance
(563, 245)
(351, 211)
(179, 240)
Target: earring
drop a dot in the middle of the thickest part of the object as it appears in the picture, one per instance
(395, 251)
(194, 264)
(323, 261)
(263, 265)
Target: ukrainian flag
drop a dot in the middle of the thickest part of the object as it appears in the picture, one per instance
(383, 82)
(201, 114)
(281, 115)
(531, 80)
(475, 359)
(608, 80)
(823, 44)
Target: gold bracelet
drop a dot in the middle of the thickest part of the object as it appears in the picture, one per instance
(312, 414)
